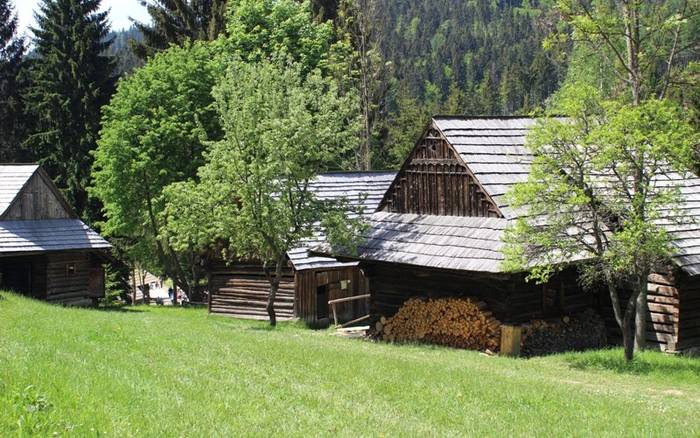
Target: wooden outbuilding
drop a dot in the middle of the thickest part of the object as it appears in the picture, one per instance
(438, 231)
(241, 288)
(46, 251)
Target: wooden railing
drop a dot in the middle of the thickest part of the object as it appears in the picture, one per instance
(332, 303)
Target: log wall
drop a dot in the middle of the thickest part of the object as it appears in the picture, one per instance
(69, 277)
(242, 289)
(338, 283)
(433, 180)
(509, 297)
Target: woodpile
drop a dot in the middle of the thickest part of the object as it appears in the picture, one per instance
(454, 322)
(577, 332)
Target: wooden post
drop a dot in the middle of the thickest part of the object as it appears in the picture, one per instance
(510, 340)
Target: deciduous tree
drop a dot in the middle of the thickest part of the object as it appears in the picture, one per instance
(602, 183)
(156, 129)
(282, 127)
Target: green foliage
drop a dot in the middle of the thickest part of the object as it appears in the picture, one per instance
(155, 132)
(178, 22)
(592, 191)
(71, 80)
(282, 128)
(261, 29)
(662, 39)
(14, 126)
(96, 371)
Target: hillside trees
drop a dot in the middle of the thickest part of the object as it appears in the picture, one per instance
(12, 49)
(177, 22)
(282, 126)
(71, 80)
(155, 131)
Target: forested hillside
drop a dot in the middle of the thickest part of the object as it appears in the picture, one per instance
(121, 49)
(487, 52)
(477, 57)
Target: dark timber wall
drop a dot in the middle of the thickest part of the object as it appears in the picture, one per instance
(66, 278)
(508, 296)
(434, 180)
(241, 290)
(315, 287)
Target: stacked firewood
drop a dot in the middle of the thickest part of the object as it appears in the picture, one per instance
(577, 332)
(454, 322)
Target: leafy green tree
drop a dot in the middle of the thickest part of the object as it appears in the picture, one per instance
(71, 80)
(177, 22)
(155, 132)
(282, 127)
(593, 194)
(263, 29)
(12, 48)
(647, 48)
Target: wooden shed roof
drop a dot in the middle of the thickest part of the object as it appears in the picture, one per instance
(364, 189)
(446, 242)
(494, 151)
(37, 236)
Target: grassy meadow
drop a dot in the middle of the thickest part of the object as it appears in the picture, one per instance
(150, 371)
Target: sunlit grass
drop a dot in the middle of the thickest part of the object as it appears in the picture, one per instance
(181, 372)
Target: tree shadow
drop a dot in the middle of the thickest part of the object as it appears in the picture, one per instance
(643, 364)
(118, 308)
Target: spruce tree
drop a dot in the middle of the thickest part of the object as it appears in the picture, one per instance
(178, 21)
(12, 120)
(71, 81)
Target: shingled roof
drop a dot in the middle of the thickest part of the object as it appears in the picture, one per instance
(37, 236)
(24, 237)
(494, 151)
(363, 189)
(12, 178)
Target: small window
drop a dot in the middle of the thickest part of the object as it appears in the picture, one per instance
(70, 269)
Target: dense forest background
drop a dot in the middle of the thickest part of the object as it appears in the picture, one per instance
(122, 119)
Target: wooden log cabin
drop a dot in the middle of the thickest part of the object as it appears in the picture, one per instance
(438, 232)
(240, 288)
(46, 251)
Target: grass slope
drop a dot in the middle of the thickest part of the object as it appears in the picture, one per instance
(180, 372)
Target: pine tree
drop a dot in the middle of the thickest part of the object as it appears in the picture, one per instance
(178, 21)
(12, 50)
(71, 81)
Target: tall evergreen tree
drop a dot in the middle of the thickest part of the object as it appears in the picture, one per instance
(71, 81)
(12, 50)
(178, 21)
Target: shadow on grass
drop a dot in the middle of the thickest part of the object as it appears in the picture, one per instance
(115, 308)
(643, 364)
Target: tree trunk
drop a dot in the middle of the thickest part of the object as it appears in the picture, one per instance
(271, 302)
(628, 338)
(274, 287)
(628, 327)
(640, 318)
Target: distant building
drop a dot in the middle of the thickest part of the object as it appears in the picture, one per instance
(46, 251)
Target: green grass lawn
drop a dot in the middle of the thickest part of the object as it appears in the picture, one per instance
(180, 372)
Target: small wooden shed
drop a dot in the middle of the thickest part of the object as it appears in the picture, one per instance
(46, 251)
(240, 288)
(439, 231)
